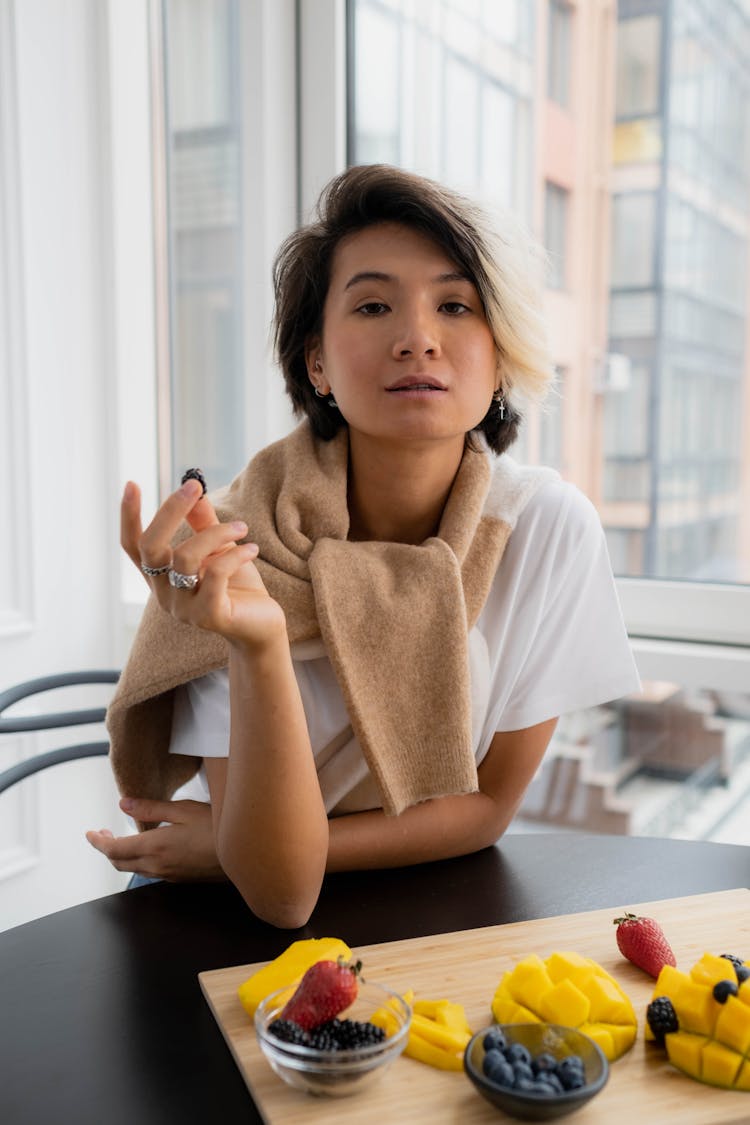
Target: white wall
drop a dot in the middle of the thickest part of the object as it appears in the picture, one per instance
(56, 373)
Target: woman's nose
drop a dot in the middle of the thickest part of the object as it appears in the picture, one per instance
(418, 335)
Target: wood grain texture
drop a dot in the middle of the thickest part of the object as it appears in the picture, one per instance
(466, 967)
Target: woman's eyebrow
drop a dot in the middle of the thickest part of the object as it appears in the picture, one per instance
(376, 275)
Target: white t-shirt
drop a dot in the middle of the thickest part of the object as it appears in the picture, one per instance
(550, 639)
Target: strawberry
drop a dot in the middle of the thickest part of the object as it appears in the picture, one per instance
(327, 988)
(642, 941)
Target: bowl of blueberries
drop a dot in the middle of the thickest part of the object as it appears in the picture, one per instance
(535, 1071)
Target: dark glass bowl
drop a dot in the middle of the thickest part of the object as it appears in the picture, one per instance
(538, 1037)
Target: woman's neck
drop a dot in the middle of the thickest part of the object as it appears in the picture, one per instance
(397, 493)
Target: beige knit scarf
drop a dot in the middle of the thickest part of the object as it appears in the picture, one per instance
(394, 619)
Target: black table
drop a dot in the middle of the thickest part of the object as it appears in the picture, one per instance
(102, 1021)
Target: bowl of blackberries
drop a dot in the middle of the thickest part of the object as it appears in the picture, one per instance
(535, 1071)
(335, 1048)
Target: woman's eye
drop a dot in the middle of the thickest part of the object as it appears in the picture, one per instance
(372, 308)
(454, 308)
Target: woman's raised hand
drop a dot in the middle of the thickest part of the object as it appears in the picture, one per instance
(209, 579)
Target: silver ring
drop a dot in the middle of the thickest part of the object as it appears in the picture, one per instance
(182, 581)
(153, 571)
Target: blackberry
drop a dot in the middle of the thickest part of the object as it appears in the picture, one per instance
(662, 1018)
(723, 989)
(322, 1039)
(289, 1032)
(195, 474)
(355, 1033)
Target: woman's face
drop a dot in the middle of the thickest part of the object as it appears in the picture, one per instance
(405, 350)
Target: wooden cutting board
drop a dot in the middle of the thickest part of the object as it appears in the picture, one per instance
(466, 967)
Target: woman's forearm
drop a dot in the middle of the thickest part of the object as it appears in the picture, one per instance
(446, 826)
(271, 825)
(437, 829)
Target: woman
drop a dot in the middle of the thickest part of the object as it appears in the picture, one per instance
(368, 638)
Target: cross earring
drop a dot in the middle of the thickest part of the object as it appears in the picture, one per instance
(498, 399)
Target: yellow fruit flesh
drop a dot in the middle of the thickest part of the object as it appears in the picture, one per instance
(438, 1034)
(571, 990)
(713, 1042)
(288, 968)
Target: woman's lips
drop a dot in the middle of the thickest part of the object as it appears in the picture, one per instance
(413, 384)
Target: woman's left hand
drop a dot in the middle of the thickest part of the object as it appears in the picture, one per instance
(182, 850)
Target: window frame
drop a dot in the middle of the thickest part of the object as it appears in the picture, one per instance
(698, 633)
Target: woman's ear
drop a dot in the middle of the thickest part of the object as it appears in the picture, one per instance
(312, 358)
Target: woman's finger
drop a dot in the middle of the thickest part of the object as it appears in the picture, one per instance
(130, 522)
(156, 540)
(192, 554)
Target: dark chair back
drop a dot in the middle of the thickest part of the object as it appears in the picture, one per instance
(52, 721)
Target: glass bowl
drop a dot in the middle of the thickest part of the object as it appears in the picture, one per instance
(539, 1038)
(340, 1072)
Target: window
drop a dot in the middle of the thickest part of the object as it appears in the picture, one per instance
(444, 89)
(633, 240)
(558, 52)
(555, 234)
(638, 72)
(205, 216)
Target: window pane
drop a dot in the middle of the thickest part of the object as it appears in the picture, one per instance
(558, 52)
(648, 247)
(637, 65)
(668, 762)
(555, 234)
(205, 228)
(445, 87)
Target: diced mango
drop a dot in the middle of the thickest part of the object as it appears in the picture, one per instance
(568, 989)
(742, 1081)
(288, 968)
(710, 970)
(565, 1003)
(567, 965)
(529, 981)
(713, 1041)
(601, 1037)
(685, 1051)
(697, 1008)
(733, 1026)
(623, 1037)
(720, 1064)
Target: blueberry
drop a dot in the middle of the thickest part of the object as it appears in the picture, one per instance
(545, 1088)
(495, 1038)
(498, 1069)
(491, 1060)
(572, 1080)
(544, 1062)
(516, 1052)
(571, 1062)
(522, 1072)
(553, 1081)
(526, 1085)
(723, 990)
(742, 974)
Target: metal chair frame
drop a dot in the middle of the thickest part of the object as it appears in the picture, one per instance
(51, 721)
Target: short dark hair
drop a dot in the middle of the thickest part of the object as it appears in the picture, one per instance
(378, 193)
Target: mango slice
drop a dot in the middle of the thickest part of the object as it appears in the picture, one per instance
(438, 1034)
(288, 968)
(572, 990)
(712, 1044)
